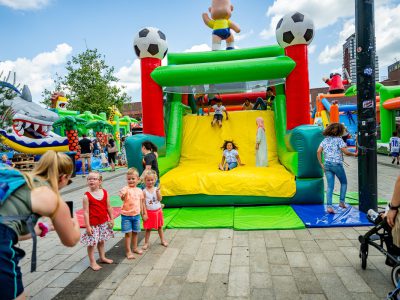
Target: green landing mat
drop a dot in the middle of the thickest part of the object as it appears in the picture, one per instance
(352, 198)
(266, 217)
(203, 217)
(169, 214)
(115, 200)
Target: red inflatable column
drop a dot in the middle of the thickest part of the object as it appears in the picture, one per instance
(297, 88)
(152, 98)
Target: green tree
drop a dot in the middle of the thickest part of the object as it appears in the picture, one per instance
(89, 84)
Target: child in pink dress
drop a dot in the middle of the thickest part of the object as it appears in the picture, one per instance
(131, 209)
(153, 216)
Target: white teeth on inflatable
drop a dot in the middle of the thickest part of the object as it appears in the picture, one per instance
(27, 124)
(45, 128)
(19, 126)
(36, 126)
(21, 131)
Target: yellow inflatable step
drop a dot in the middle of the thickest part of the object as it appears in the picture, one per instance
(198, 173)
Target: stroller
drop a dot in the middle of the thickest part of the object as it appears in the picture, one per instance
(380, 237)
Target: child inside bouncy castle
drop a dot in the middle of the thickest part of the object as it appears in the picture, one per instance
(218, 113)
(394, 147)
(230, 156)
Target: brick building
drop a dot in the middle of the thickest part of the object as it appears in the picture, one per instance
(133, 109)
(393, 74)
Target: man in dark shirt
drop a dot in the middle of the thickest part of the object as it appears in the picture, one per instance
(86, 147)
(265, 104)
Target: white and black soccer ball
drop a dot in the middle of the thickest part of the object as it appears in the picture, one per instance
(150, 42)
(294, 29)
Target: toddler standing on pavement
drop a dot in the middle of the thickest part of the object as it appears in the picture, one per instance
(131, 209)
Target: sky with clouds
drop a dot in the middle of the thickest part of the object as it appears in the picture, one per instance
(40, 36)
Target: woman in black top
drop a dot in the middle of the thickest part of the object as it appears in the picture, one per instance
(112, 150)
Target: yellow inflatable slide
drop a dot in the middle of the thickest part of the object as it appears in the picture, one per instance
(198, 173)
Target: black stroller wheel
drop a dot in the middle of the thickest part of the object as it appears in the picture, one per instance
(363, 255)
(396, 275)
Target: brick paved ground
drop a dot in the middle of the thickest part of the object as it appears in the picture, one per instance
(225, 264)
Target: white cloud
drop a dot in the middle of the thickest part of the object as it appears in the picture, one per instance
(129, 76)
(334, 53)
(387, 31)
(323, 13)
(25, 4)
(243, 36)
(38, 72)
(199, 48)
(312, 48)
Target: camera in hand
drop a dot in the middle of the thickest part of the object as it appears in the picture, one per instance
(71, 207)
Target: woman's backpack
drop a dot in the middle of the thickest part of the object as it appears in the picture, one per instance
(10, 181)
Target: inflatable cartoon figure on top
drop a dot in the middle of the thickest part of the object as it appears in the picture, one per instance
(220, 23)
(336, 83)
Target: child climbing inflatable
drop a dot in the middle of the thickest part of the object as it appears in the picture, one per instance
(220, 23)
(336, 83)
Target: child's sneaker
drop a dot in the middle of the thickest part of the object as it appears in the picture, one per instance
(393, 161)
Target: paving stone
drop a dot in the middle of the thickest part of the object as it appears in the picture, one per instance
(303, 235)
(182, 265)
(30, 277)
(198, 271)
(280, 270)
(241, 239)
(240, 256)
(115, 278)
(284, 287)
(239, 281)
(225, 234)
(286, 234)
(312, 297)
(261, 294)
(257, 244)
(171, 287)
(191, 246)
(297, 259)
(210, 236)
(260, 281)
(155, 278)
(48, 265)
(47, 293)
(343, 243)
(145, 292)
(100, 294)
(167, 259)
(352, 281)
(336, 259)
(310, 246)
(327, 245)
(306, 281)
(272, 239)
(63, 280)
(259, 262)
(319, 263)
(352, 255)
(224, 246)
(365, 296)
(220, 264)
(277, 256)
(206, 252)
(198, 233)
(145, 265)
(333, 287)
(378, 282)
(192, 291)
(65, 265)
(43, 281)
(178, 242)
(216, 287)
(291, 245)
(129, 285)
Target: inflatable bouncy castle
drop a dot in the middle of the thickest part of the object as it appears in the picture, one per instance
(189, 148)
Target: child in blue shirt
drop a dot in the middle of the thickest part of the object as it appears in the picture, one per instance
(333, 146)
(394, 147)
(230, 156)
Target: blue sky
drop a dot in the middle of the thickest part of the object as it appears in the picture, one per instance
(40, 36)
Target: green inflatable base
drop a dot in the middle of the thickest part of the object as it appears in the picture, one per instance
(266, 217)
(203, 217)
(308, 191)
(352, 198)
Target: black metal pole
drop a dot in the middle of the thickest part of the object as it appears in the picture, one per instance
(366, 105)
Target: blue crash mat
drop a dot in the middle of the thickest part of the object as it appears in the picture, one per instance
(316, 216)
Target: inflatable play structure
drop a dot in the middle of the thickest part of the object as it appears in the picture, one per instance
(329, 110)
(32, 129)
(189, 148)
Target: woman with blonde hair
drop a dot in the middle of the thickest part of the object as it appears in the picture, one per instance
(27, 197)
